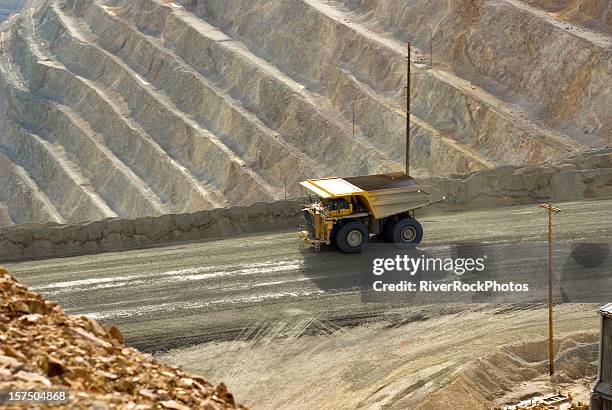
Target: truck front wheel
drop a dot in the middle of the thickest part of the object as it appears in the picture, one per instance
(352, 237)
(407, 233)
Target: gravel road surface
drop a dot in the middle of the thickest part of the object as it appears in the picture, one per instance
(187, 294)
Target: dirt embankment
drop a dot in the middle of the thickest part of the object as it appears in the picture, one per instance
(52, 240)
(465, 360)
(514, 372)
(43, 348)
(584, 176)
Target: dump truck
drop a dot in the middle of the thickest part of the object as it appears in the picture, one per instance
(347, 211)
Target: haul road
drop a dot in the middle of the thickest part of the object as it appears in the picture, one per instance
(192, 293)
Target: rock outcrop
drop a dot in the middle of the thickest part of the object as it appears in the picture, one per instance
(43, 349)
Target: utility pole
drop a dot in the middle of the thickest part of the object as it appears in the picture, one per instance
(431, 51)
(353, 118)
(285, 183)
(551, 211)
(408, 111)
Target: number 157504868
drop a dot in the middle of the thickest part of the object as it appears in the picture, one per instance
(31, 396)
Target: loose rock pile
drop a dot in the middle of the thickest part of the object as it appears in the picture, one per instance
(43, 348)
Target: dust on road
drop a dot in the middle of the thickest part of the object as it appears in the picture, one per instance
(273, 311)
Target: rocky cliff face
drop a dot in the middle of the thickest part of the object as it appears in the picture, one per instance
(142, 107)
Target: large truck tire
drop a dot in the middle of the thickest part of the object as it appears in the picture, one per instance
(352, 237)
(407, 233)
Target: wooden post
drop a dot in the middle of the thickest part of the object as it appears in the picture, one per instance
(285, 183)
(551, 362)
(431, 51)
(408, 111)
(353, 118)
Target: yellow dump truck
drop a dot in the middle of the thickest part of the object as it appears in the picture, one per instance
(348, 210)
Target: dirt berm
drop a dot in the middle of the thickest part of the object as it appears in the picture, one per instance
(584, 176)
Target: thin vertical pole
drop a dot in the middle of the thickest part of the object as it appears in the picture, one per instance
(550, 296)
(551, 362)
(431, 51)
(408, 111)
(285, 184)
(353, 118)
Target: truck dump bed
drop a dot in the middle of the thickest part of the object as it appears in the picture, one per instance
(382, 181)
(383, 194)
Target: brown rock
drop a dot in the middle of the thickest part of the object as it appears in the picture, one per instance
(29, 306)
(116, 334)
(108, 375)
(51, 366)
(209, 404)
(173, 404)
(184, 382)
(91, 338)
(7, 361)
(31, 318)
(148, 393)
(41, 346)
(33, 378)
(11, 351)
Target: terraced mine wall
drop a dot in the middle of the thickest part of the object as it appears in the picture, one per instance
(8, 7)
(511, 47)
(126, 109)
(591, 13)
(580, 178)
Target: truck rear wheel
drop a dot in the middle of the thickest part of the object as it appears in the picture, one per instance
(407, 233)
(352, 237)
